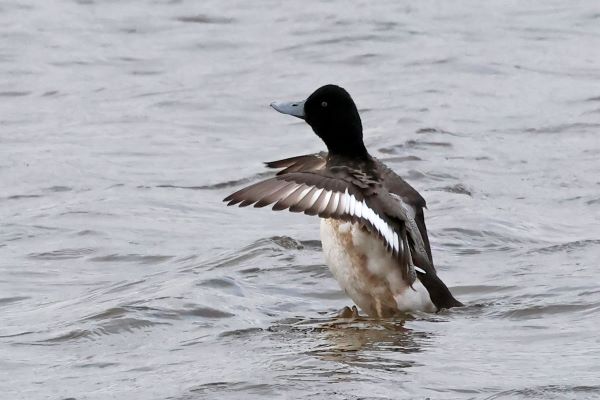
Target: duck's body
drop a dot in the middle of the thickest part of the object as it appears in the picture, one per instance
(368, 273)
(372, 227)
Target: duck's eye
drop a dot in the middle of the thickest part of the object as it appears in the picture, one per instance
(324, 104)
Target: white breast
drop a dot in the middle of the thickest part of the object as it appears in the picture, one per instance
(368, 273)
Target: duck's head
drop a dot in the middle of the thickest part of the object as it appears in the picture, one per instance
(333, 116)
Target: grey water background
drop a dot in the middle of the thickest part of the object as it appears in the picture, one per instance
(124, 123)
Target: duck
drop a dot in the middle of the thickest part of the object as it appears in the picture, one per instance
(372, 228)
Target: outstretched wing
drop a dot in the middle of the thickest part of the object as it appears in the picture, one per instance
(345, 194)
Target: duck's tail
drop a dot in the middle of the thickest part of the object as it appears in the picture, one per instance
(438, 291)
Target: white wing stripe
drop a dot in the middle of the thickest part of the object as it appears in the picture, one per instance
(368, 214)
(304, 192)
(325, 201)
(346, 197)
(348, 204)
(357, 204)
(335, 199)
(358, 211)
(314, 197)
(388, 235)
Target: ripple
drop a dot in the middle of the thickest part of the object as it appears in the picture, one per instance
(204, 19)
(429, 175)
(353, 39)
(88, 232)
(51, 93)
(220, 185)
(239, 333)
(121, 286)
(138, 258)
(286, 242)
(568, 127)
(566, 247)
(422, 144)
(541, 311)
(100, 365)
(59, 189)
(399, 158)
(436, 130)
(487, 240)
(219, 283)
(458, 188)
(548, 392)
(14, 93)
(311, 244)
(274, 245)
(23, 196)
(9, 300)
(361, 59)
(224, 285)
(69, 336)
(413, 144)
(121, 276)
(62, 254)
(219, 388)
(206, 312)
(110, 327)
(479, 289)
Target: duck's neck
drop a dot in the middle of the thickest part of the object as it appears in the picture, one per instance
(354, 149)
(345, 141)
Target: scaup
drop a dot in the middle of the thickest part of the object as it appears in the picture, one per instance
(372, 223)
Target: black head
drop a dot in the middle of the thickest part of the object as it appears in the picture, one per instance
(333, 116)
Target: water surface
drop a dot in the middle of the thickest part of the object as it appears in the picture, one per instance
(124, 123)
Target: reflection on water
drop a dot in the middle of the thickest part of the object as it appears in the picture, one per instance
(366, 344)
(357, 334)
(124, 124)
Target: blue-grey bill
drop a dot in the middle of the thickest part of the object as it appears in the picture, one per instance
(295, 108)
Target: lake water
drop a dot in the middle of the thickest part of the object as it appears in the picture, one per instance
(124, 123)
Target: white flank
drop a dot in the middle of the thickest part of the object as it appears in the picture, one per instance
(368, 273)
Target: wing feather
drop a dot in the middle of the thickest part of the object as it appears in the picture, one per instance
(306, 201)
(282, 191)
(320, 203)
(289, 199)
(339, 193)
(332, 205)
(307, 162)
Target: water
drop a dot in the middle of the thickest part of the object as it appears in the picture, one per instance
(123, 125)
